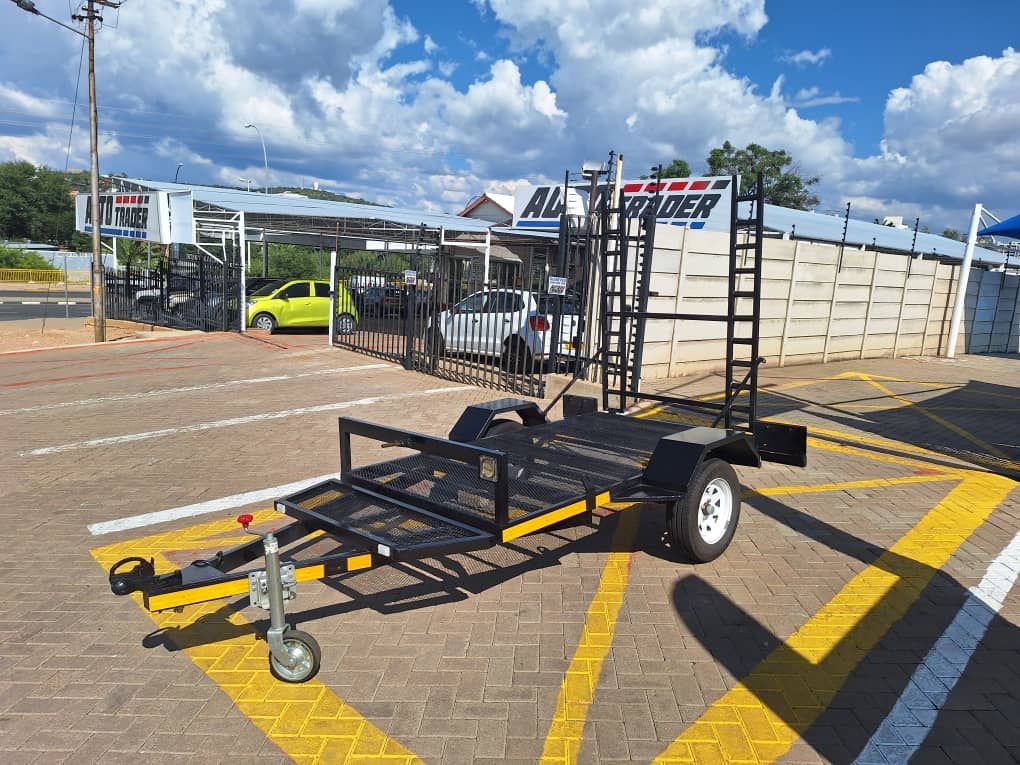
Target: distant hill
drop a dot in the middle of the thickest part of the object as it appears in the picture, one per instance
(329, 196)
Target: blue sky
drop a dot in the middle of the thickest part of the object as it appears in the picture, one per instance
(428, 104)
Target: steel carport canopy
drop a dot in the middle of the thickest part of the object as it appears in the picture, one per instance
(264, 207)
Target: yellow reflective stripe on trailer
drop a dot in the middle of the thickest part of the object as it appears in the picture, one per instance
(217, 590)
(359, 562)
(198, 594)
(552, 517)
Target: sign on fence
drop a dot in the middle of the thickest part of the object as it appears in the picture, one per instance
(697, 203)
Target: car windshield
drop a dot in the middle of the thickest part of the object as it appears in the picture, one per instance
(268, 289)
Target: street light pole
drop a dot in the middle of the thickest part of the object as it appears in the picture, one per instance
(246, 180)
(265, 157)
(178, 171)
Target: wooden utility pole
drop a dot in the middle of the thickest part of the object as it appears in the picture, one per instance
(98, 293)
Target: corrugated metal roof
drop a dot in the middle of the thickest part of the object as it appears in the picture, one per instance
(295, 206)
(829, 228)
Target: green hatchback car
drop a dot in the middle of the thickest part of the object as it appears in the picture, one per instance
(300, 303)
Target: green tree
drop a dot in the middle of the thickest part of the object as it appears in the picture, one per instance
(678, 168)
(35, 203)
(952, 233)
(12, 257)
(785, 184)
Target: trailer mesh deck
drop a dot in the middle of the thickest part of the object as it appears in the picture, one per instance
(377, 519)
(550, 465)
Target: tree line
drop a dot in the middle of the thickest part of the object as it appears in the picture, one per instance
(785, 184)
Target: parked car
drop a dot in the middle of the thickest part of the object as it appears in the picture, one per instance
(301, 303)
(381, 301)
(164, 294)
(253, 284)
(513, 325)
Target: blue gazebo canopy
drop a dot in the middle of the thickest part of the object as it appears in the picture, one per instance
(1009, 227)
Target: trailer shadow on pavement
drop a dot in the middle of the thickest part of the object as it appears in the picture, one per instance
(842, 722)
(401, 587)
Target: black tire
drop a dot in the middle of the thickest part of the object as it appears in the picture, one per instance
(499, 426)
(311, 654)
(516, 357)
(707, 541)
(147, 310)
(269, 322)
(438, 343)
(345, 324)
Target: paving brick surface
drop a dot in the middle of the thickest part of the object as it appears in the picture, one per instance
(463, 659)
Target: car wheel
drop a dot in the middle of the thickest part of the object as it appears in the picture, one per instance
(438, 343)
(516, 357)
(265, 322)
(147, 310)
(345, 324)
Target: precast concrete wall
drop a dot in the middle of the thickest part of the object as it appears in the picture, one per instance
(815, 307)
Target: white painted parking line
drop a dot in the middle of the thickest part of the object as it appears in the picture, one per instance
(190, 389)
(200, 426)
(203, 508)
(31, 302)
(913, 716)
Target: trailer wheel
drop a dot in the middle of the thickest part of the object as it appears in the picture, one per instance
(306, 654)
(500, 425)
(704, 521)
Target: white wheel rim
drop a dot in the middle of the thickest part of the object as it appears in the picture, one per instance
(345, 325)
(301, 658)
(263, 322)
(715, 510)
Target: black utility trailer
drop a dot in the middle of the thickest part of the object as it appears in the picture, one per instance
(507, 471)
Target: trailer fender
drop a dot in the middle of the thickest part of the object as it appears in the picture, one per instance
(677, 457)
(477, 418)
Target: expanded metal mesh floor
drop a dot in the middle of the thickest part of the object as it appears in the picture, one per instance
(396, 526)
(550, 465)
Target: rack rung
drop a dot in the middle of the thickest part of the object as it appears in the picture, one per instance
(745, 245)
(743, 363)
(743, 293)
(749, 270)
(743, 341)
(745, 221)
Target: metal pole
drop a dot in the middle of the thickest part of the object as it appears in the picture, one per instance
(98, 297)
(486, 258)
(332, 296)
(961, 289)
(67, 308)
(265, 255)
(243, 309)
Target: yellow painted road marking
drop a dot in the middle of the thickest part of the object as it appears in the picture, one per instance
(308, 721)
(870, 483)
(761, 717)
(563, 740)
(952, 426)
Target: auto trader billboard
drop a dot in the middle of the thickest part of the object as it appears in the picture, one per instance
(697, 203)
(143, 215)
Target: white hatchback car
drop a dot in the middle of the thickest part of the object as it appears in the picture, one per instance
(513, 325)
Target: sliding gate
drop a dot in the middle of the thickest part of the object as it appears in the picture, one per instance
(445, 316)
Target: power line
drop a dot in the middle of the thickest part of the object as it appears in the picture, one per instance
(77, 83)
